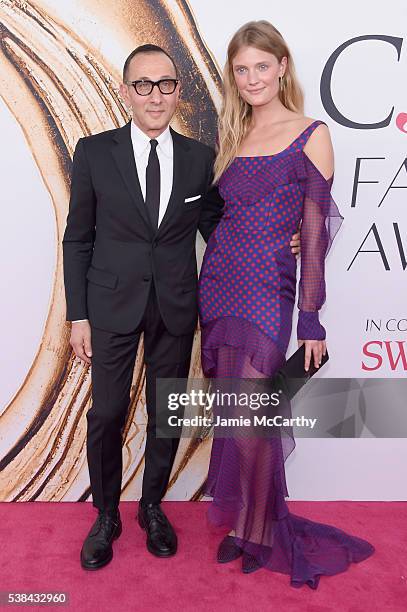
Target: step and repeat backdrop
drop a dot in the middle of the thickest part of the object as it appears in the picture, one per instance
(60, 67)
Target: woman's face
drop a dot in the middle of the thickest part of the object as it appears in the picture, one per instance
(256, 75)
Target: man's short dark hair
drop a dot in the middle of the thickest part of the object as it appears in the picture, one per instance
(146, 49)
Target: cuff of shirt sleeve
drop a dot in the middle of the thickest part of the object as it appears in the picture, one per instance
(309, 327)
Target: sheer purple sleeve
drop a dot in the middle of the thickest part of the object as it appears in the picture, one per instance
(321, 220)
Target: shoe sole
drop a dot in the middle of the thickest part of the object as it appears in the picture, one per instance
(250, 571)
(152, 550)
(96, 566)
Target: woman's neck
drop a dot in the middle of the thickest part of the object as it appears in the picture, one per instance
(266, 115)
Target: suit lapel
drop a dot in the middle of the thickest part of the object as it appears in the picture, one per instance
(123, 155)
(181, 168)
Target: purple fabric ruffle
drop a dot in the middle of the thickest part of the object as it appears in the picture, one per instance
(251, 344)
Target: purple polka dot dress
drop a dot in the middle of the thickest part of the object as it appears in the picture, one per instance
(247, 290)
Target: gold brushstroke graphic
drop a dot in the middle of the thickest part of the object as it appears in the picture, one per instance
(60, 87)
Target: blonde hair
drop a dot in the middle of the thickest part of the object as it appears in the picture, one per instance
(235, 115)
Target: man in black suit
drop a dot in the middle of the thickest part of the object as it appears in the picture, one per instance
(138, 196)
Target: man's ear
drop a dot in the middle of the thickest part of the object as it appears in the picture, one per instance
(124, 92)
(178, 92)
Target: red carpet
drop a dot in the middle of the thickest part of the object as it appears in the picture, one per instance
(40, 545)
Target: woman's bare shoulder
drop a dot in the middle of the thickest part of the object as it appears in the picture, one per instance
(299, 123)
(307, 121)
(320, 136)
(319, 149)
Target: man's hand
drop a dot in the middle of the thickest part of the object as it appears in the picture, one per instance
(315, 348)
(80, 340)
(295, 244)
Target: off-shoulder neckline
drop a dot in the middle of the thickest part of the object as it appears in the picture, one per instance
(283, 150)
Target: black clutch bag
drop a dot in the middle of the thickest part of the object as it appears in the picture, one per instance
(291, 377)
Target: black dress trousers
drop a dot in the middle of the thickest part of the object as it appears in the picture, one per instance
(114, 355)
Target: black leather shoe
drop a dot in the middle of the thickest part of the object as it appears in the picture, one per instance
(161, 537)
(97, 549)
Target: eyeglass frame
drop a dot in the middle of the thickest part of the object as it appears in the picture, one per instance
(154, 83)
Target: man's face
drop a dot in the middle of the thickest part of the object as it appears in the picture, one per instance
(151, 113)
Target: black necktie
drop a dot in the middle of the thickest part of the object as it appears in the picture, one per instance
(153, 184)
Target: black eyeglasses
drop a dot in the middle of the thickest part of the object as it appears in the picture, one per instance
(144, 87)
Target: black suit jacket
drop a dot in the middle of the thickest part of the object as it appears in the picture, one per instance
(112, 253)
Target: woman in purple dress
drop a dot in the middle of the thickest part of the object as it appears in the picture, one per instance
(274, 169)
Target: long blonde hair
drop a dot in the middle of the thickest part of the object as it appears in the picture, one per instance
(235, 115)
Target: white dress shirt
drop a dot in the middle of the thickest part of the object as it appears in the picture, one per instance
(141, 149)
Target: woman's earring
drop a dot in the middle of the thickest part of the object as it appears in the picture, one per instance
(281, 82)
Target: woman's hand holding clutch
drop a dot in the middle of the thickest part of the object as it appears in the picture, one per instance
(313, 349)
